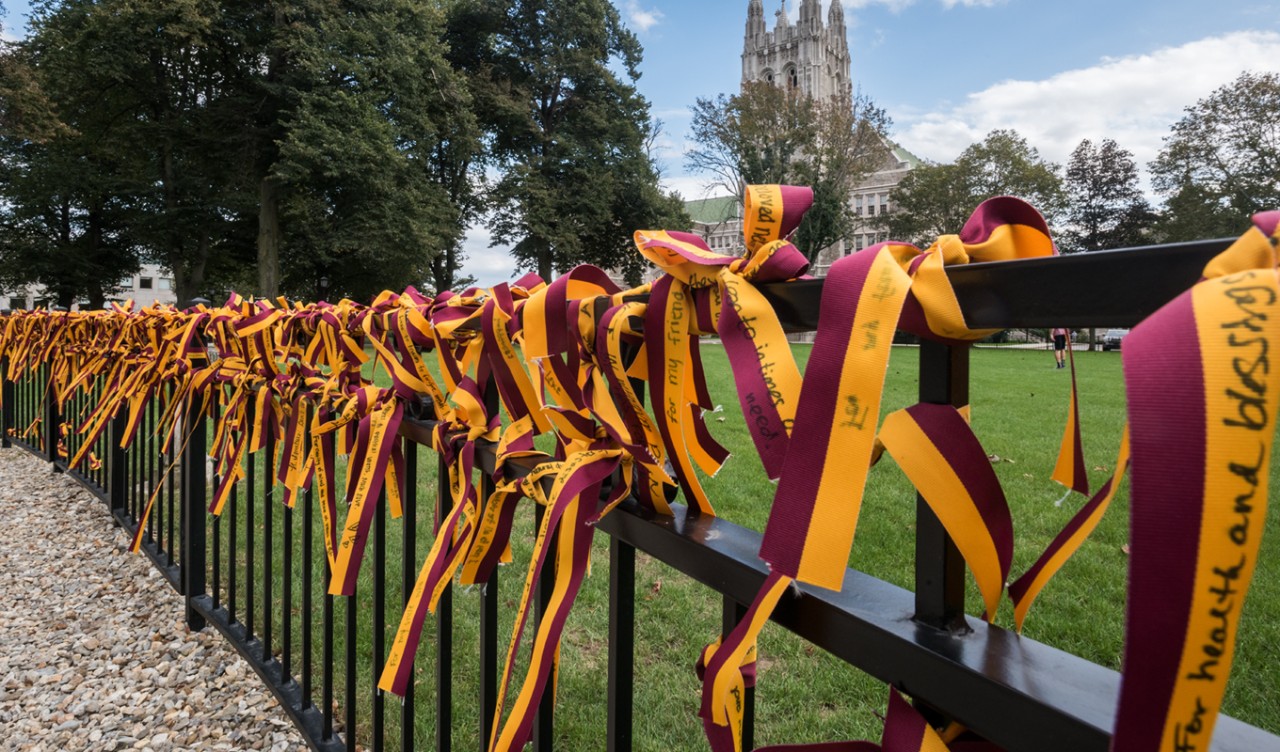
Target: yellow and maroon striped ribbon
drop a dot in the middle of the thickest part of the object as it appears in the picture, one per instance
(940, 455)
(1069, 470)
(1202, 405)
(815, 511)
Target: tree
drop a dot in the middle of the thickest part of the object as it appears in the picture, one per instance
(1220, 162)
(240, 134)
(64, 214)
(1105, 205)
(568, 130)
(1106, 208)
(765, 134)
(936, 199)
(372, 164)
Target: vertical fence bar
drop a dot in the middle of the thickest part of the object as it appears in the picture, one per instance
(286, 600)
(194, 516)
(250, 492)
(944, 379)
(489, 669)
(326, 658)
(215, 481)
(542, 719)
(135, 473)
(117, 463)
(408, 566)
(268, 542)
(233, 503)
(488, 644)
(52, 420)
(174, 451)
(731, 613)
(34, 407)
(444, 631)
(379, 617)
(308, 583)
(622, 640)
(6, 402)
(349, 695)
(216, 565)
(71, 410)
(622, 621)
(158, 511)
(149, 447)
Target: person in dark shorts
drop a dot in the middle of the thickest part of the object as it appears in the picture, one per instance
(1060, 347)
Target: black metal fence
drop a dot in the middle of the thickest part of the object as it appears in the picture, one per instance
(258, 574)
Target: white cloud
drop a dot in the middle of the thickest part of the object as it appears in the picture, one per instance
(894, 6)
(949, 4)
(641, 19)
(1133, 100)
(691, 187)
(488, 265)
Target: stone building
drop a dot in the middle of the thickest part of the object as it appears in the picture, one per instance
(807, 55)
(152, 284)
(813, 57)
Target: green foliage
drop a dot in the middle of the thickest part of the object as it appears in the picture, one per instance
(804, 694)
(1106, 208)
(220, 132)
(1221, 162)
(67, 207)
(937, 199)
(556, 82)
(766, 135)
(365, 146)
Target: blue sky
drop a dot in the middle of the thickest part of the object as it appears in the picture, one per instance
(949, 71)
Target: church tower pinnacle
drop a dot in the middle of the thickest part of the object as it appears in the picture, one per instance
(808, 56)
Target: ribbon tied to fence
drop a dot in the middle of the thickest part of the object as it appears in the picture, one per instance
(289, 381)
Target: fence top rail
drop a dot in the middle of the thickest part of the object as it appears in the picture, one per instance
(1011, 689)
(1096, 289)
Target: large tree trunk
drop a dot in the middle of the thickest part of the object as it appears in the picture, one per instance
(93, 290)
(545, 269)
(189, 278)
(268, 238)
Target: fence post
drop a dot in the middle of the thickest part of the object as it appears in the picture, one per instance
(118, 480)
(191, 565)
(944, 379)
(52, 420)
(6, 402)
(194, 517)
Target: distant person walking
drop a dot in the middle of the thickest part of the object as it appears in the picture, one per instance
(1060, 337)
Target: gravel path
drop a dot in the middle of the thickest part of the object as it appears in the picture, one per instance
(94, 654)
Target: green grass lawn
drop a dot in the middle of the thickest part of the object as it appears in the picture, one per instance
(1019, 407)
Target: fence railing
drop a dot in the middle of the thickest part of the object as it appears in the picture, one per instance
(258, 574)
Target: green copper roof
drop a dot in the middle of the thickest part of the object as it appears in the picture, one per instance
(713, 210)
(901, 154)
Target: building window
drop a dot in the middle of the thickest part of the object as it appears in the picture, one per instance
(857, 205)
(871, 209)
(884, 203)
(165, 283)
(144, 283)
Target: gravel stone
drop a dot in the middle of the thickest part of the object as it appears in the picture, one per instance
(94, 653)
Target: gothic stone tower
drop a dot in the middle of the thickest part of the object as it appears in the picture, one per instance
(807, 55)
